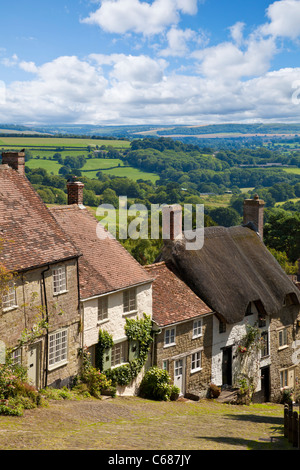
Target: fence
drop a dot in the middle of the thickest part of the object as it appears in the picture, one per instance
(292, 425)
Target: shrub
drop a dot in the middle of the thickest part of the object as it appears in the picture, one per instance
(156, 385)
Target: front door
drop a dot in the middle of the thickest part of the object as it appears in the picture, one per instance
(227, 366)
(33, 365)
(265, 383)
(179, 375)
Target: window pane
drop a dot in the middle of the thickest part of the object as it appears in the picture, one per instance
(58, 347)
(9, 298)
(129, 300)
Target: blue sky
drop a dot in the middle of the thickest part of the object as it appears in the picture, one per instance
(149, 61)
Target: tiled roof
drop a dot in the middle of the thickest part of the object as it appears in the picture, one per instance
(173, 301)
(105, 266)
(29, 233)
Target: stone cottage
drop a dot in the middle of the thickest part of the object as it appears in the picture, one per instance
(113, 285)
(183, 326)
(39, 315)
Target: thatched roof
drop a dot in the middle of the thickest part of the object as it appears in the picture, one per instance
(232, 269)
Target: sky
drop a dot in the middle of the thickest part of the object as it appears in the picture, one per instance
(158, 62)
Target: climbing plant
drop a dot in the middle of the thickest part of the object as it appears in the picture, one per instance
(247, 364)
(138, 331)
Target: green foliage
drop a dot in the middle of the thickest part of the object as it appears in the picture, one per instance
(139, 330)
(281, 232)
(156, 385)
(95, 380)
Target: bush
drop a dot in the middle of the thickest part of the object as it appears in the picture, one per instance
(156, 385)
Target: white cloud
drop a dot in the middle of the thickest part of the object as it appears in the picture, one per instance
(179, 41)
(122, 16)
(284, 18)
(231, 62)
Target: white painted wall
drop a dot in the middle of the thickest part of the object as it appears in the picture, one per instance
(231, 337)
(115, 323)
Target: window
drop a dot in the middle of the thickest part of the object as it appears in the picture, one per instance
(262, 321)
(59, 280)
(196, 361)
(282, 337)
(119, 353)
(10, 298)
(222, 326)
(265, 343)
(287, 378)
(197, 328)
(165, 365)
(249, 310)
(170, 337)
(16, 357)
(129, 300)
(58, 348)
(102, 308)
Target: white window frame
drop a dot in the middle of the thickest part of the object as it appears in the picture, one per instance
(58, 348)
(59, 275)
(102, 308)
(170, 337)
(287, 378)
(196, 361)
(197, 328)
(129, 300)
(9, 300)
(282, 338)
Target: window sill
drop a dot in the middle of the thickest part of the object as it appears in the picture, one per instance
(8, 309)
(56, 366)
(101, 322)
(55, 294)
(283, 347)
(194, 371)
(197, 336)
(169, 345)
(126, 314)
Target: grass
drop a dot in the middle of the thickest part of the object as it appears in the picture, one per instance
(131, 423)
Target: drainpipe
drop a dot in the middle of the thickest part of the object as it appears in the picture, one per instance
(47, 319)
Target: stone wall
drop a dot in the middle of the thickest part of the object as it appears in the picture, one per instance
(62, 311)
(195, 383)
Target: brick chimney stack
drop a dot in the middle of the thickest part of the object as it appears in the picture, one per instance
(15, 160)
(172, 222)
(254, 213)
(75, 192)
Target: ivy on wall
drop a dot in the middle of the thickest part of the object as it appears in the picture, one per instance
(139, 334)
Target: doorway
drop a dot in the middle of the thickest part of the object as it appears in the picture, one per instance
(265, 383)
(227, 366)
(33, 361)
(179, 375)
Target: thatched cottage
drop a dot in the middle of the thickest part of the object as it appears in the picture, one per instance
(238, 278)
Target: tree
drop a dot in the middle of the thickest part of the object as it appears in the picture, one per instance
(281, 232)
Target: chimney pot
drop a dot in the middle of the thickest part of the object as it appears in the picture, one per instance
(16, 160)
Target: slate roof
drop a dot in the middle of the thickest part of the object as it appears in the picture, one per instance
(233, 268)
(172, 300)
(29, 234)
(105, 265)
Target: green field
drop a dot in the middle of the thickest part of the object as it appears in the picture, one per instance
(295, 171)
(54, 142)
(46, 147)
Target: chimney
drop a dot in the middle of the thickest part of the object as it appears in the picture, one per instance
(15, 160)
(172, 222)
(254, 214)
(75, 192)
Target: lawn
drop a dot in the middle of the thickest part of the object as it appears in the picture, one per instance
(136, 424)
